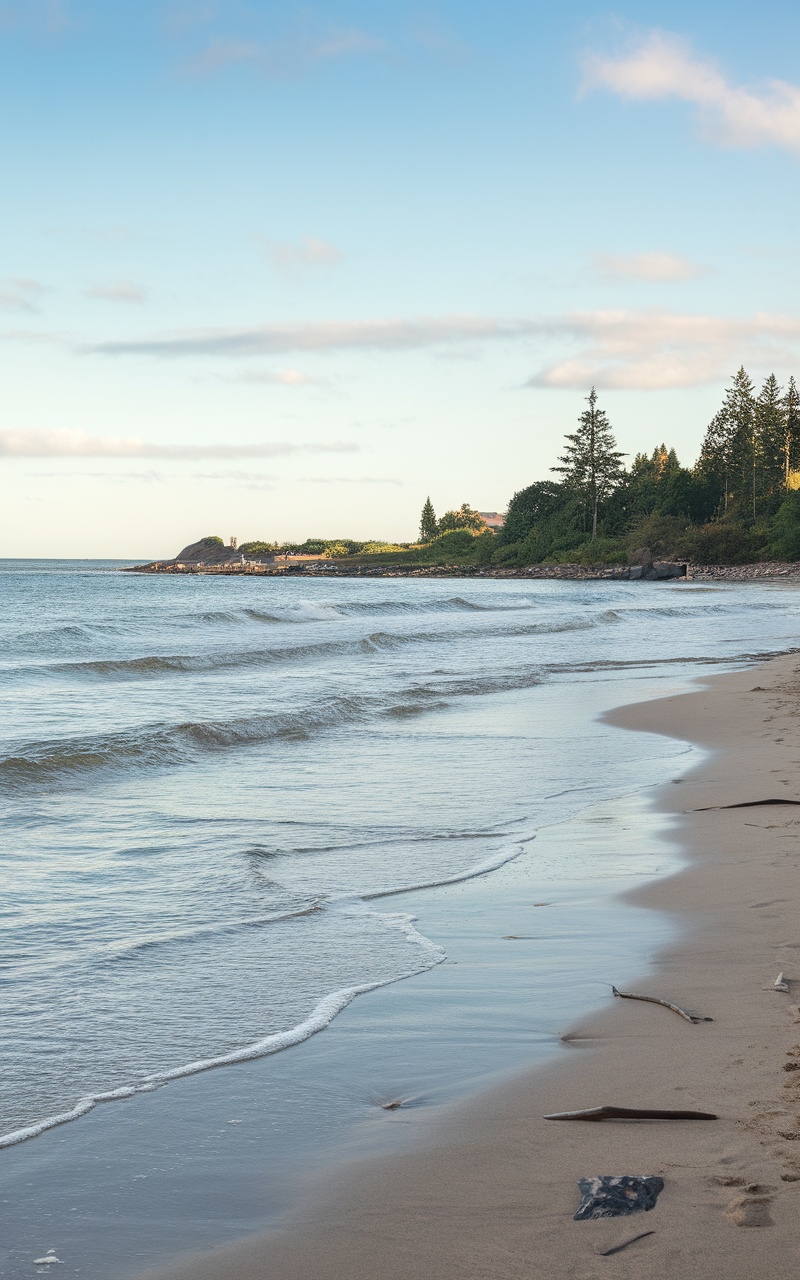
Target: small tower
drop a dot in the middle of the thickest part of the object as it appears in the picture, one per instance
(233, 543)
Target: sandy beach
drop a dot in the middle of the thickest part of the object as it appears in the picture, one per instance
(494, 1192)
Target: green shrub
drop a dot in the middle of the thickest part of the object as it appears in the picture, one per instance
(720, 542)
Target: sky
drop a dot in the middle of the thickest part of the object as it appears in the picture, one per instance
(281, 271)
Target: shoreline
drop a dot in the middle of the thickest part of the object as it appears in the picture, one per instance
(777, 571)
(497, 1188)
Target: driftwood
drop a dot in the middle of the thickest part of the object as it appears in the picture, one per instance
(629, 1113)
(690, 1017)
(744, 804)
(619, 1247)
(780, 983)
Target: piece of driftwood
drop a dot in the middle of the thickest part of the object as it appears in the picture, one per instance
(619, 1247)
(780, 983)
(629, 1113)
(744, 804)
(682, 1013)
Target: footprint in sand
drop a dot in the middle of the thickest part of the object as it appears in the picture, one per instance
(749, 1210)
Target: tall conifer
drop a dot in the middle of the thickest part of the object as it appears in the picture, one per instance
(591, 464)
(790, 451)
(428, 526)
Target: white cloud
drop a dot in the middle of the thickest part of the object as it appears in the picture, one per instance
(118, 291)
(381, 335)
(302, 51)
(650, 266)
(58, 443)
(646, 349)
(308, 252)
(20, 294)
(652, 350)
(663, 65)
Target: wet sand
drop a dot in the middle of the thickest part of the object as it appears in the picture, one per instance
(494, 1194)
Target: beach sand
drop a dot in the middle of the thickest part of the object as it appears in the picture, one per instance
(493, 1194)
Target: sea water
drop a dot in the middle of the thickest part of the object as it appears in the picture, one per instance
(215, 788)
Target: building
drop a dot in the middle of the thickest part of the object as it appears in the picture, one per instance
(492, 520)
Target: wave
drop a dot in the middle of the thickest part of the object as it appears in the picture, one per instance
(169, 744)
(319, 1018)
(305, 611)
(199, 663)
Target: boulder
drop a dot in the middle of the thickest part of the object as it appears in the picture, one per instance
(207, 551)
(661, 570)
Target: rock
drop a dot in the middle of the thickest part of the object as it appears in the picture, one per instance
(614, 1197)
(206, 551)
(661, 570)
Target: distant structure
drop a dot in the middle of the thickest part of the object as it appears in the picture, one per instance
(233, 543)
(492, 519)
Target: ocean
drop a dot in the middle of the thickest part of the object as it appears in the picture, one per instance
(223, 798)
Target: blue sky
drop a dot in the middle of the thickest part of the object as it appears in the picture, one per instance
(283, 271)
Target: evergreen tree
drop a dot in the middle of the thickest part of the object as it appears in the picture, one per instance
(591, 464)
(770, 429)
(790, 445)
(716, 455)
(740, 409)
(731, 449)
(428, 527)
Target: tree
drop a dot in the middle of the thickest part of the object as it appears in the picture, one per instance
(539, 501)
(464, 518)
(731, 450)
(591, 464)
(790, 449)
(771, 433)
(428, 528)
(740, 410)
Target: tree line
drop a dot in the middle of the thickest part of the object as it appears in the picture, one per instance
(739, 502)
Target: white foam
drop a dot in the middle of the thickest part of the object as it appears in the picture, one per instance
(320, 1017)
(482, 869)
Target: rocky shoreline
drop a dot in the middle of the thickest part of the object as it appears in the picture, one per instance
(660, 571)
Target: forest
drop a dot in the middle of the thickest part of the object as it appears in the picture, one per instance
(739, 503)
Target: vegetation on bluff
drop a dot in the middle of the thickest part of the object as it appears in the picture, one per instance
(739, 503)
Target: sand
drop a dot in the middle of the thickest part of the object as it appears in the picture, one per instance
(493, 1193)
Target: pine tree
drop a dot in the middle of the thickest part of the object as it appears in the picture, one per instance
(730, 450)
(716, 454)
(591, 464)
(771, 432)
(428, 526)
(790, 445)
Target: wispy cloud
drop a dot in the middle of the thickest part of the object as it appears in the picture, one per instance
(42, 17)
(118, 291)
(281, 378)
(19, 294)
(348, 480)
(236, 479)
(282, 59)
(653, 350)
(367, 335)
(662, 65)
(649, 266)
(309, 252)
(58, 443)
